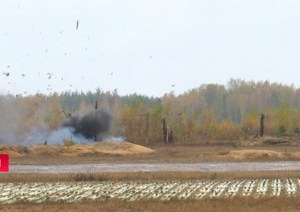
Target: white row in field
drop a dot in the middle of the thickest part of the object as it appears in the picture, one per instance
(154, 190)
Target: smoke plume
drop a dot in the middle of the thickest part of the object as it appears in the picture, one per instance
(94, 125)
(37, 120)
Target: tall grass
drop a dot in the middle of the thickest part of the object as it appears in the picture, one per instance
(236, 204)
(144, 176)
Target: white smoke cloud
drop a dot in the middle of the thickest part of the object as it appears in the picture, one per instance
(41, 135)
(30, 121)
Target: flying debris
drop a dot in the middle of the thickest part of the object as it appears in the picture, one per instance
(67, 114)
(77, 24)
(150, 57)
(173, 85)
(49, 75)
(23, 75)
(6, 74)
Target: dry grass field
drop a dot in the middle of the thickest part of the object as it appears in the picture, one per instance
(268, 149)
(265, 149)
(206, 205)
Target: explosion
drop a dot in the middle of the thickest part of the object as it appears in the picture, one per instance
(94, 125)
(34, 120)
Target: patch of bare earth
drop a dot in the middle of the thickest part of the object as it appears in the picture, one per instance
(265, 148)
(109, 148)
(260, 149)
(217, 205)
(255, 154)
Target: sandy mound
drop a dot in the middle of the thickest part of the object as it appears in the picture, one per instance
(12, 151)
(112, 148)
(122, 148)
(97, 148)
(254, 154)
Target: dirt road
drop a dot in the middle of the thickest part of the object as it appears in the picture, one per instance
(145, 167)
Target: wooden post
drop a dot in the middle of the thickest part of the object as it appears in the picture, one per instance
(165, 130)
(96, 117)
(262, 116)
(147, 124)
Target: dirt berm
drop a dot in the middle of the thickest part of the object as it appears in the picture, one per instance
(111, 148)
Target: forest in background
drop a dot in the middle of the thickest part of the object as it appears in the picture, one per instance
(211, 112)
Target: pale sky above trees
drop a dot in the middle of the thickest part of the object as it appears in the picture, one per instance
(146, 47)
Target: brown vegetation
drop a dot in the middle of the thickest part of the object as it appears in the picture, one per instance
(261, 149)
(245, 204)
(145, 176)
(210, 123)
(202, 115)
(97, 148)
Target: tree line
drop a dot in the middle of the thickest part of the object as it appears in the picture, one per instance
(208, 113)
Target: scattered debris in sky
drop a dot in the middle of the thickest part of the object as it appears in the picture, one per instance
(6, 74)
(77, 24)
(49, 75)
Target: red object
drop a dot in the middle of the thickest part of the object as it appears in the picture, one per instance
(4, 162)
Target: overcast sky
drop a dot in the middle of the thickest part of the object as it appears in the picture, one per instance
(146, 47)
